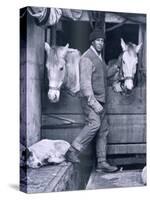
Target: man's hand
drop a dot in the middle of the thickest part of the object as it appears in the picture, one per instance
(93, 103)
(97, 107)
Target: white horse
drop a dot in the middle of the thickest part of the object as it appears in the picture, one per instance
(62, 65)
(123, 81)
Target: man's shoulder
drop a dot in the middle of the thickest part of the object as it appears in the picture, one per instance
(85, 60)
(87, 55)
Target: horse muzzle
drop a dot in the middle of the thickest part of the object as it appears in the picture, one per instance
(128, 84)
(54, 95)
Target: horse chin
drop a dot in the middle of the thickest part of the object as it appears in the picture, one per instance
(54, 96)
(54, 101)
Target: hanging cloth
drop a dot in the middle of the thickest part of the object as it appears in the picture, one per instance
(45, 16)
(73, 14)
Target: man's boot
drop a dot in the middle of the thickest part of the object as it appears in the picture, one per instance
(72, 155)
(106, 167)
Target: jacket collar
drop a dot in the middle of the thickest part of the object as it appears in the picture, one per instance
(99, 55)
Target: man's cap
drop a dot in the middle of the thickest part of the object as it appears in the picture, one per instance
(97, 33)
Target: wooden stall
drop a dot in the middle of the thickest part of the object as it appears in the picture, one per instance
(126, 114)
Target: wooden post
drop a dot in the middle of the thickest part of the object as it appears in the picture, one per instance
(53, 35)
(140, 63)
(48, 36)
(32, 65)
(100, 23)
(140, 40)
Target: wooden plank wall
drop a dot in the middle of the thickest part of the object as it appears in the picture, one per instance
(126, 117)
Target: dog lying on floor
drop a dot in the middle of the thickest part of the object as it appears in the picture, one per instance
(46, 152)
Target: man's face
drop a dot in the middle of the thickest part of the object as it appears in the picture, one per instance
(98, 44)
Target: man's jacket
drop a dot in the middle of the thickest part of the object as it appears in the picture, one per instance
(93, 76)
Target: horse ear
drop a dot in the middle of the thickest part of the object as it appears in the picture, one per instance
(67, 46)
(47, 47)
(138, 47)
(123, 45)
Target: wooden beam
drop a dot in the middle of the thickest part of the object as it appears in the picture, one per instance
(53, 35)
(116, 26)
(48, 35)
(114, 17)
(126, 149)
(130, 160)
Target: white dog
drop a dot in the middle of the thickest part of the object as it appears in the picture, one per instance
(46, 151)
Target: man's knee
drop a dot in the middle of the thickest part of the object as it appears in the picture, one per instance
(103, 133)
(95, 124)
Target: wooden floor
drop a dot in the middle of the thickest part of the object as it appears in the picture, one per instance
(126, 178)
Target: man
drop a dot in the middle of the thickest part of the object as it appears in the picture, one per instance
(93, 76)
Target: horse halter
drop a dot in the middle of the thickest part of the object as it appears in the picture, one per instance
(58, 87)
(122, 78)
(54, 88)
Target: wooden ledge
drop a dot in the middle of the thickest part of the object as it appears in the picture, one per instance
(52, 178)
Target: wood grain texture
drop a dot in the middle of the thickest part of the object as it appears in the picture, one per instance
(130, 160)
(129, 178)
(132, 104)
(116, 103)
(123, 128)
(127, 129)
(56, 178)
(126, 149)
(45, 178)
(31, 70)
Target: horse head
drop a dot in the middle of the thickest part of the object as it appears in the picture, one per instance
(128, 61)
(62, 65)
(56, 69)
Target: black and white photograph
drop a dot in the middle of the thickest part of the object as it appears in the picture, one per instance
(82, 99)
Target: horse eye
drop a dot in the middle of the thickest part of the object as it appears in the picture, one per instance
(61, 68)
(123, 61)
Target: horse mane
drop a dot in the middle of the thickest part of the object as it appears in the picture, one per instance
(131, 47)
(72, 70)
(71, 58)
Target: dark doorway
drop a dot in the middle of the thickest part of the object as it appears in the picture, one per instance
(129, 32)
(76, 33)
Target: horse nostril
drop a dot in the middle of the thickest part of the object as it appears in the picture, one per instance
(39, 164)
(49, 95)
(55, 98)
(129, 90)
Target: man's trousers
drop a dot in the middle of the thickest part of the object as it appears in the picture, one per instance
(96, 126)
